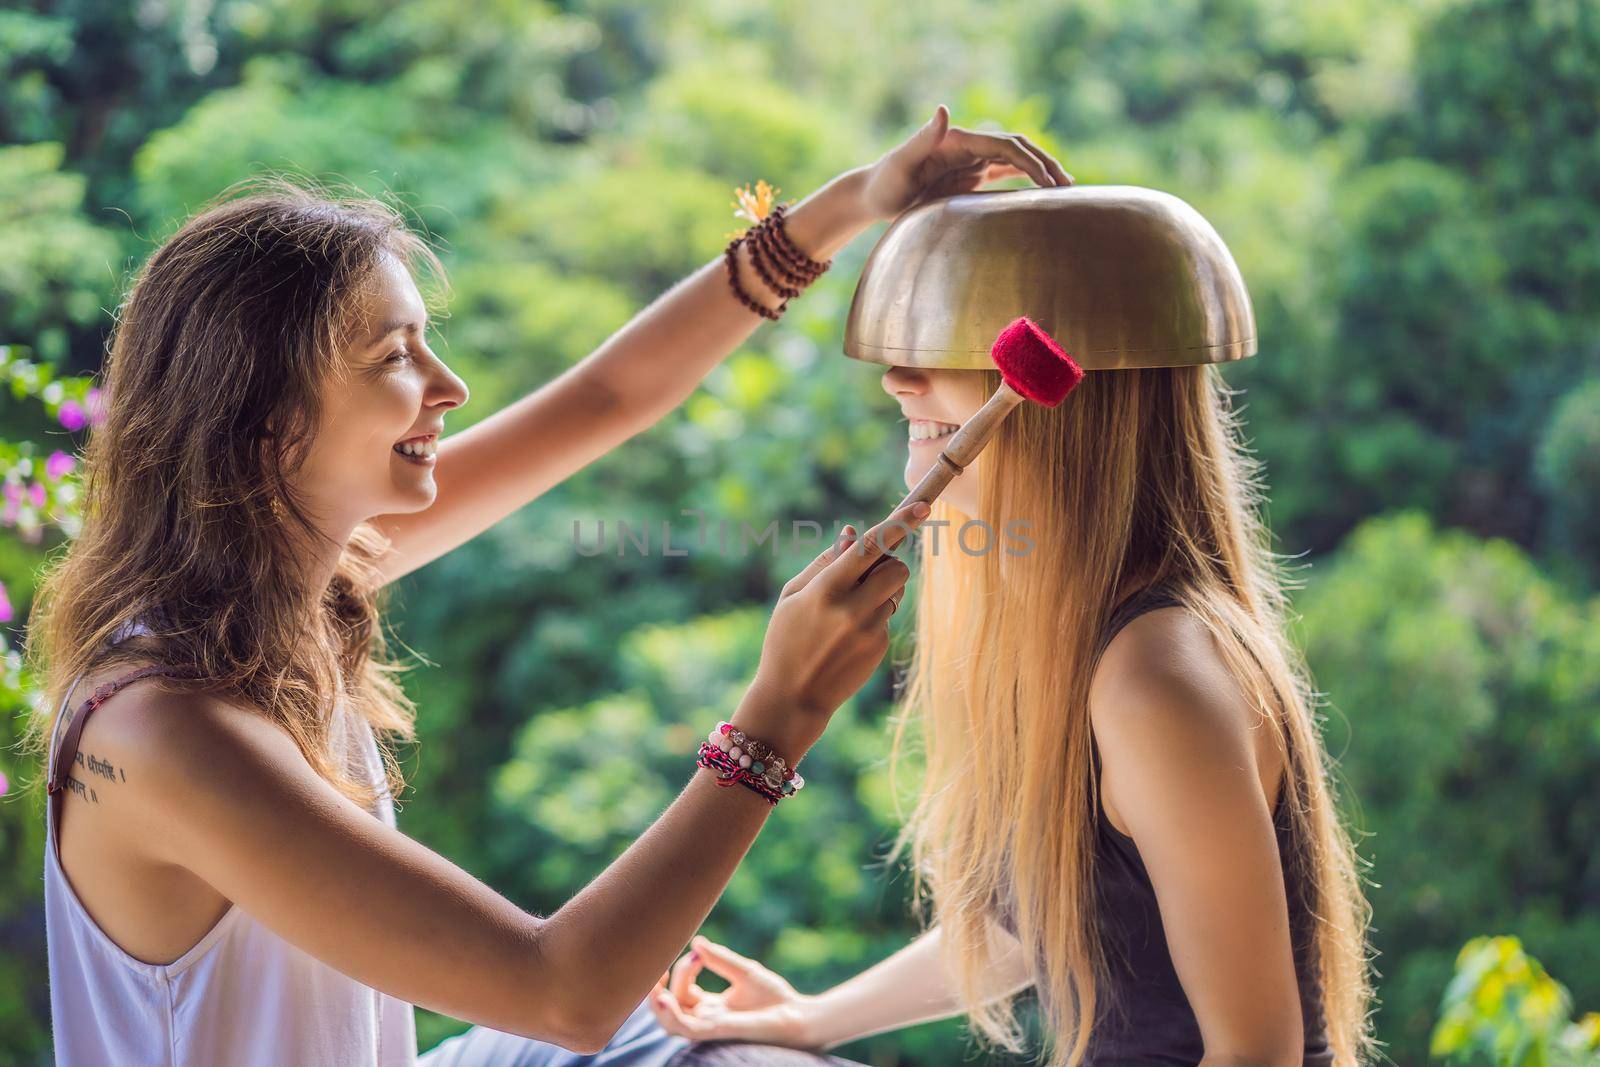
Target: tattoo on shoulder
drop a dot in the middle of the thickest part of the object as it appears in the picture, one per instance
(98, 767)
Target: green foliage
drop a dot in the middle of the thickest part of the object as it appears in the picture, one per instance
(38, 495)
(281, 119)
(1408, 189)
(1569, 470)
(1501, 1006)
(1458, 676)
(56, 263)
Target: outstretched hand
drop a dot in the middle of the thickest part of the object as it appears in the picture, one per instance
(942, 160)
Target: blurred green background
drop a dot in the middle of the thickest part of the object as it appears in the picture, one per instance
(1412, 191)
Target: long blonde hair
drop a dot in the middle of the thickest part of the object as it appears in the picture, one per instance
(215, 379)
(1140, 478)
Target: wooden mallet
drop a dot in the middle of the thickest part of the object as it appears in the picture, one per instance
(1032, 367)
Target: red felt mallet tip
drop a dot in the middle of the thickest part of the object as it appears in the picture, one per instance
(1033, 364)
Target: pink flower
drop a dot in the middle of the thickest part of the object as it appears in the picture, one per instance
(13, 492)
(59, 465)
(4, 785)
(36, 494)
(96, 401)
(5, 605)
(72, 416)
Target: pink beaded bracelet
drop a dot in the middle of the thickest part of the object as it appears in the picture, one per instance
(730, 773)
(738, 757)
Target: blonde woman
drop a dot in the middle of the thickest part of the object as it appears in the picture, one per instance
(1125, 802)
(224, 879)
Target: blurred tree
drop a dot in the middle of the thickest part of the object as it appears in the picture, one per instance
(1502, 1007)
(1415, 213)
(57, 266)
(1569, 471)
(1464, 686)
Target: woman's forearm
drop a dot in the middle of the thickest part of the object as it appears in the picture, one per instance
(912, 986)
(613, 939)
(629, 383)
(654, 362)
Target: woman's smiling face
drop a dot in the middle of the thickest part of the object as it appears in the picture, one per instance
(373, 452)
(935, 404)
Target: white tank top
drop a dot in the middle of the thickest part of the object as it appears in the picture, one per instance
(242, 996)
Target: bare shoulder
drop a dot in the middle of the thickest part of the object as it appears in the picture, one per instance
(152, 753)
(1165, 665)
(155, 727)
(1163, 701)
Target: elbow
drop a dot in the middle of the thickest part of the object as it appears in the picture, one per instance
(568, 1008)
(591, 1033)
(555, 1026)
(587, 1045)
(540, 1000)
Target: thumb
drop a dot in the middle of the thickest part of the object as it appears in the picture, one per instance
(932, 132)
(722, 961)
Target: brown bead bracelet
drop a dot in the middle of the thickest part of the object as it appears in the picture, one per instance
(770, 247)
(767, 241)
(803, 265)
(731, 257)
(760, 253)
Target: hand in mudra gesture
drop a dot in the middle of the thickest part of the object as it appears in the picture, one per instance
(759, 1005)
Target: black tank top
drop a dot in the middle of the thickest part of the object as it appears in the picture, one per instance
(1143, 1016)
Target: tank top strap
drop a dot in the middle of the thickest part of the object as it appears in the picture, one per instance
(1150, 598)
(66, 750)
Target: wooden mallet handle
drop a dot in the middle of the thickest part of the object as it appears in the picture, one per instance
(964, 446)
(1032, 367)
(957, 456)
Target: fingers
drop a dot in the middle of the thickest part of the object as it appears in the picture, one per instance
(1056, 170)
(846, 537)
(678, 1022)
(848, 568)
(933, 132)
(1016, 150)
(720, 960)
(1007, 147)
(684, 971)
(884, 581)
(993, 172)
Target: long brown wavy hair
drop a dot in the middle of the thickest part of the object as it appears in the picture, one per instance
(1139, 479)
(215, 377)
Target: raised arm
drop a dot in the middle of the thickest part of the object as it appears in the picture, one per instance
(654, 362)
(624, 387)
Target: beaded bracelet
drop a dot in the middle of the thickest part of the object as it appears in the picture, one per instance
(729, 773)
(730, 257)
(738, 757)
(760, 252)
(771, 248)
(804, 265)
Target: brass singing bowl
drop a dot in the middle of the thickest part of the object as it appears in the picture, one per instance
(1119, 275)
